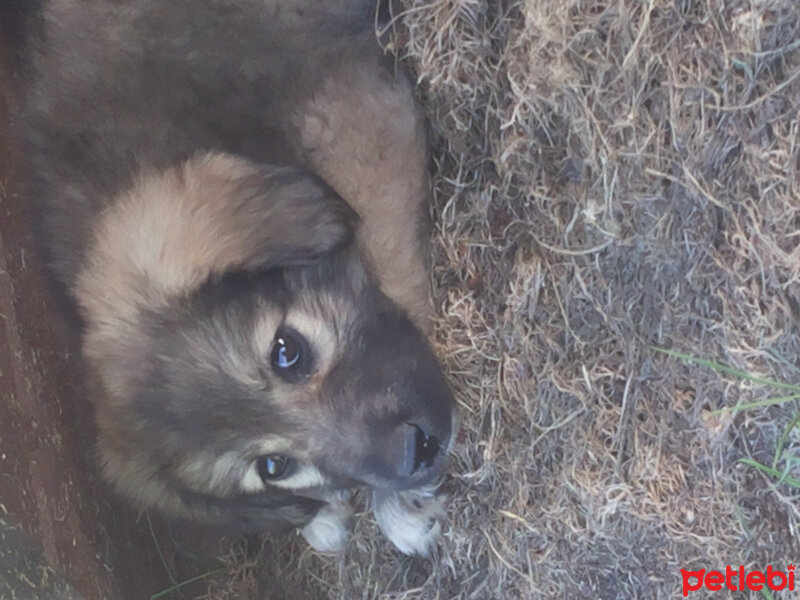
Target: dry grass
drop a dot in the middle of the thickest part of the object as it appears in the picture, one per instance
(611, 175)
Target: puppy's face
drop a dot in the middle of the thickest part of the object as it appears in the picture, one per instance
(302, 380)
(281, 385)
(249, 364)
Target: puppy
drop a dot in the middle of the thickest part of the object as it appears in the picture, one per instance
(234, 194)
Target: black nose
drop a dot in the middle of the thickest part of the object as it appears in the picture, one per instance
(420, 449)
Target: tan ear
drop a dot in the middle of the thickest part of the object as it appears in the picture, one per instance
(173, 230)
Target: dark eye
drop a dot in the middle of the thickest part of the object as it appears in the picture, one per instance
(274, 466)
(290, 356)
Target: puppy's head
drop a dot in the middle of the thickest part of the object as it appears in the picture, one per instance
(243, 391)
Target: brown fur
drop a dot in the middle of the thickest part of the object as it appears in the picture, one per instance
(200, 171)
(383, 175)
(173, 231)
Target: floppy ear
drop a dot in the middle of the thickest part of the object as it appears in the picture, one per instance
(173, 230)
(265, 216)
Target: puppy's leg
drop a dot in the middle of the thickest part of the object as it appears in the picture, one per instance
(410, 518)
(328, 530)
(362, 131)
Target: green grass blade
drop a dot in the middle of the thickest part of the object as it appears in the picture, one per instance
(767, 594)
(759, 404)
(782, 439)
(727, 370)
(781, 477)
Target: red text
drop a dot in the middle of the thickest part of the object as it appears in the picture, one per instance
(738, 579)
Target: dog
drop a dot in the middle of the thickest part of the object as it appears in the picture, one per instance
(234, 194)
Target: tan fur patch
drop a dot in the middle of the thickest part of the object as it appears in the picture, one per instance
(366, 138)
(162, 238)
(173, 230)
(320, 335)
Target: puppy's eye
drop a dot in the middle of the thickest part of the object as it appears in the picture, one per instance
(290, 356)
(274, 466)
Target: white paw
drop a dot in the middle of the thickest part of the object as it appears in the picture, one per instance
(410, 518)
(328, 530)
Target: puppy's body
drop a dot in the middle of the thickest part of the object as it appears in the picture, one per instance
(200, 170)
(141, 86)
